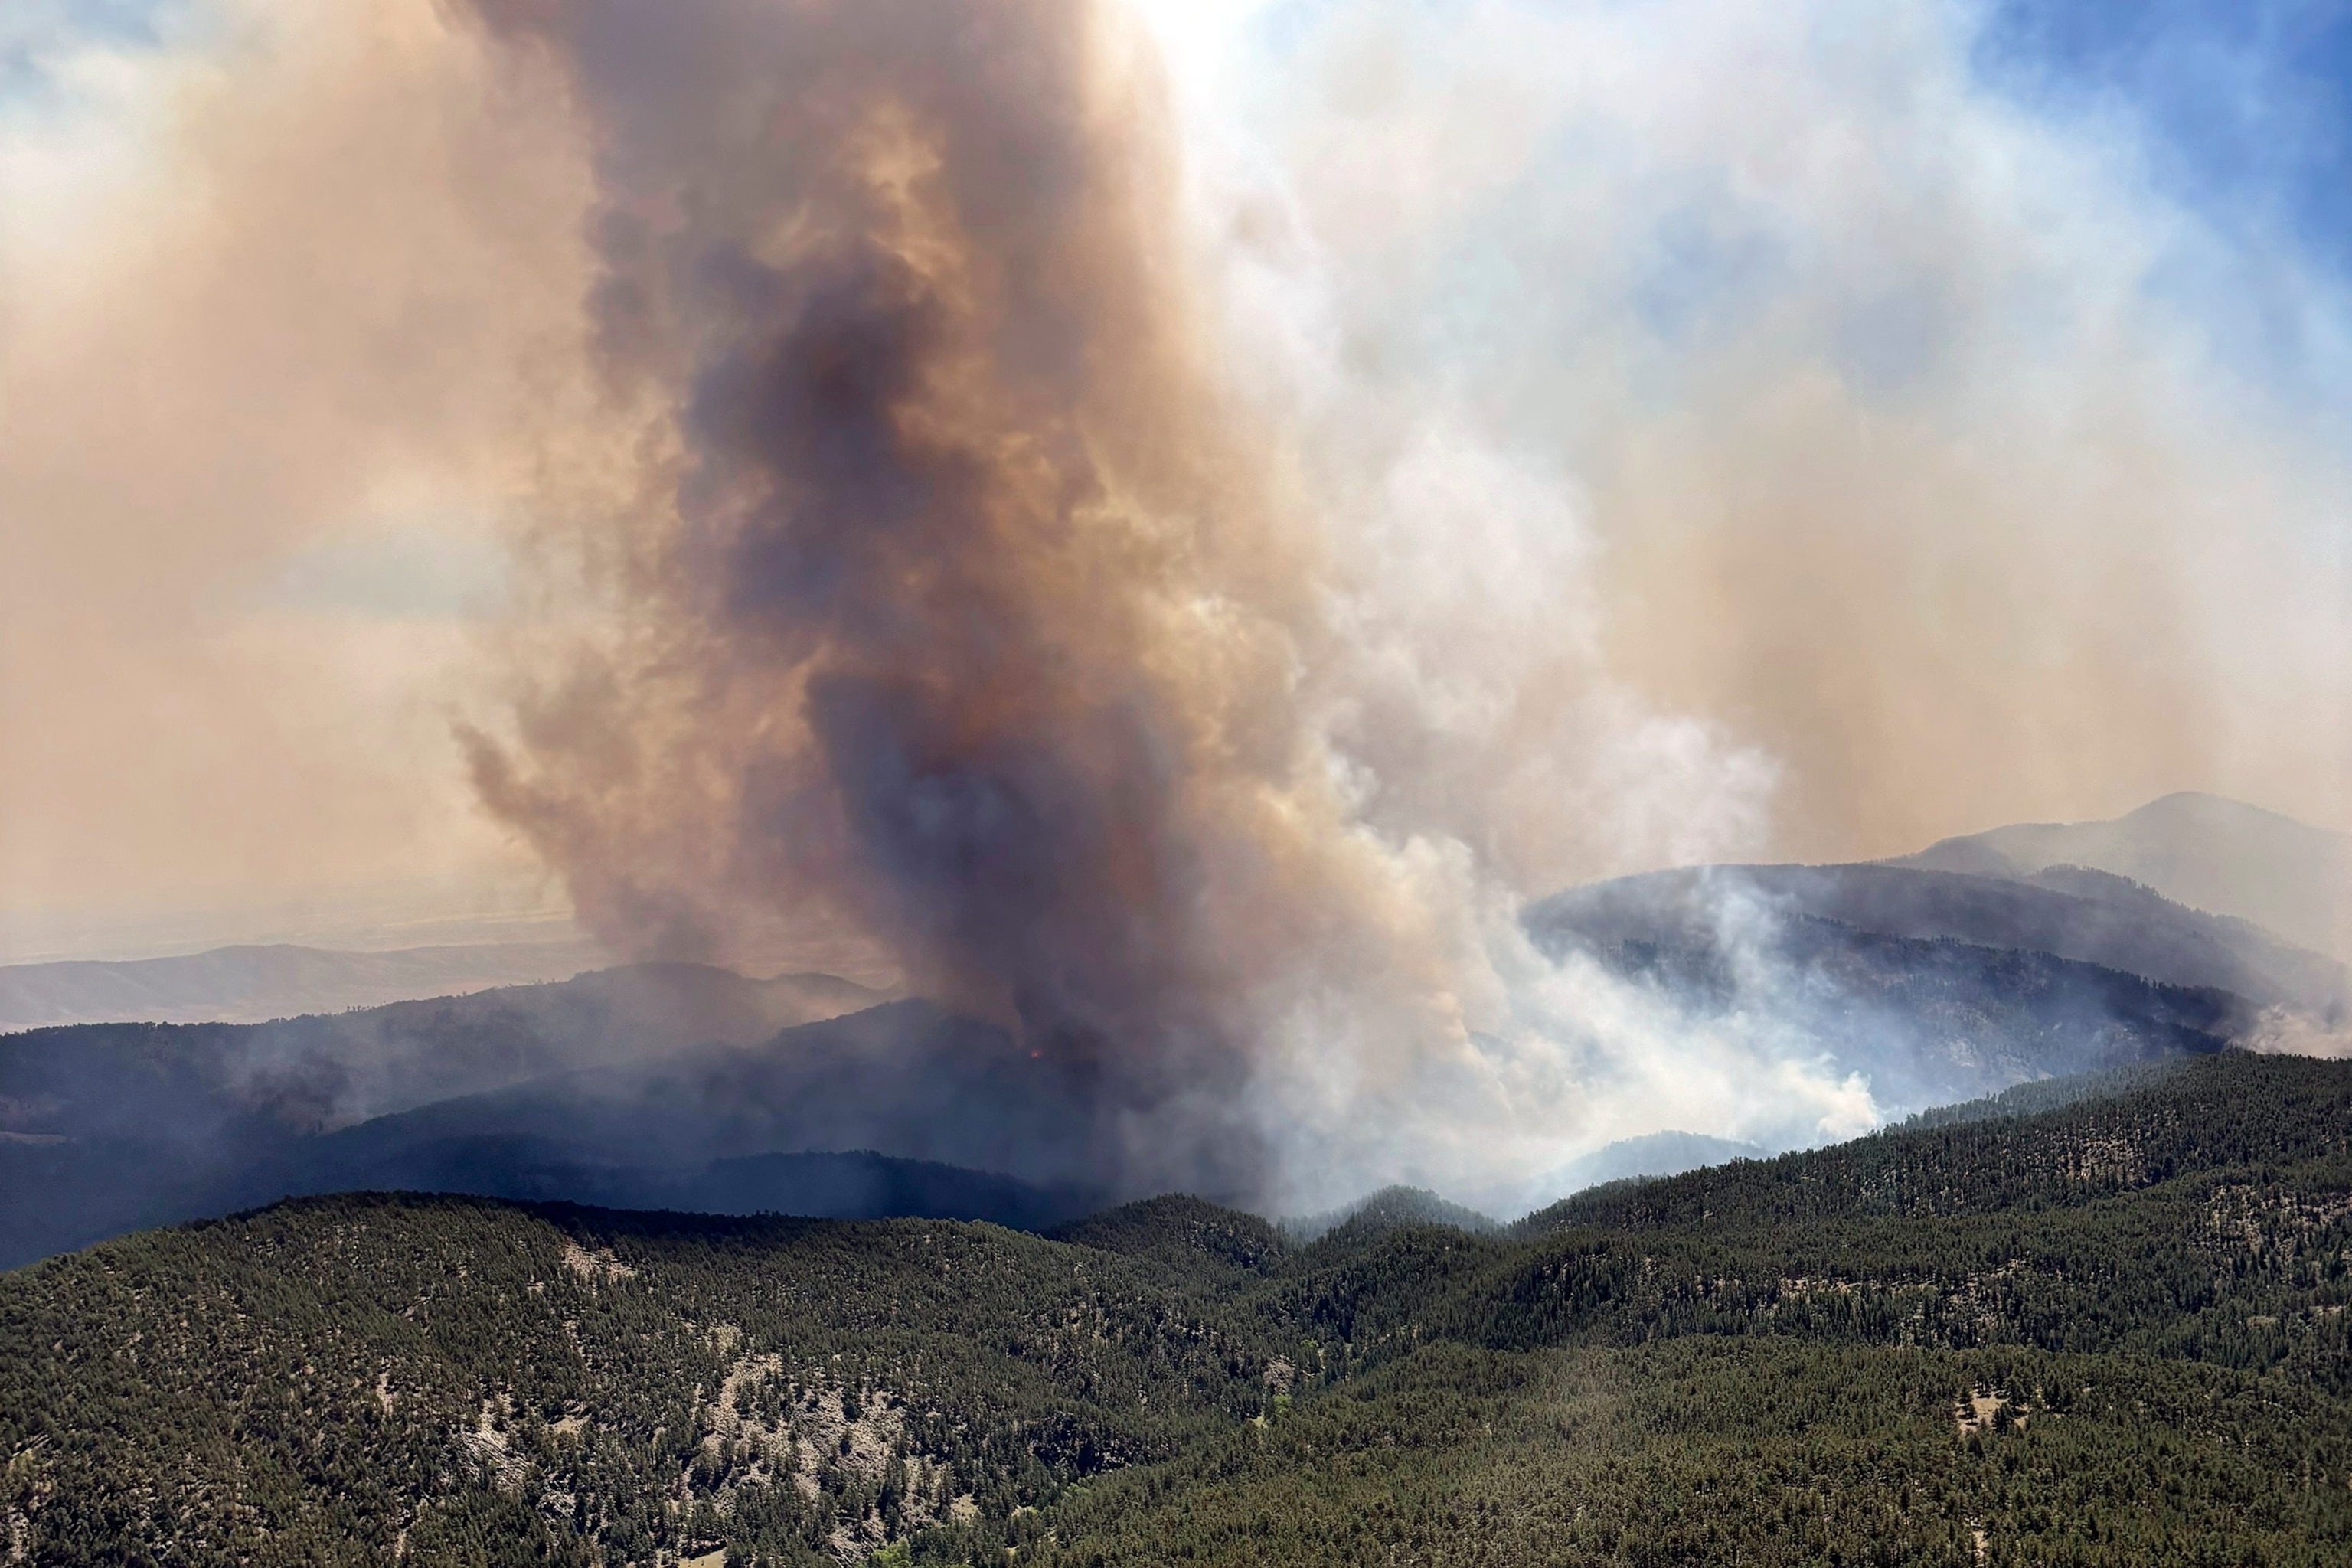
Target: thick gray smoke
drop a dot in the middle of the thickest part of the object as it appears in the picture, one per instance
(945, 584)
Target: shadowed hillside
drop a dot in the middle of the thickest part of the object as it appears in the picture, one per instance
(120, 1125)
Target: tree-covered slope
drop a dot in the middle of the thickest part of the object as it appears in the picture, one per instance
(330, 1378)
(2107, 1331)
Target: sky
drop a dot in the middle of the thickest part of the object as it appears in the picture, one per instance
(1798, 431)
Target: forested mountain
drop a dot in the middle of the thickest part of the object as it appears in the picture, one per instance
(1390, 1208)
(1939, 986)
(2088, 917)
(2107, 1331)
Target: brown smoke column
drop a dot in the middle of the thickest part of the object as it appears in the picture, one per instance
(951, 607)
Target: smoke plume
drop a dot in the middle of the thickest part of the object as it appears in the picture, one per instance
(955, 603)
(1160, 523)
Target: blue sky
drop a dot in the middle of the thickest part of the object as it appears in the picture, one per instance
(2245, 109)
(31, 30)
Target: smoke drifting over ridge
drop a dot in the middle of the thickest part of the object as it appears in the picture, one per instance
(961, 598)
(955, 605)
(1413, 458)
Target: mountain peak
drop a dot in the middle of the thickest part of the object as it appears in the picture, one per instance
(2206, 851)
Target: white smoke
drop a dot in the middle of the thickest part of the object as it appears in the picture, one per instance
(1736, 430)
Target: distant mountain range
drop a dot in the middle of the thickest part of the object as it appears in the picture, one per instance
(2202, 850)
(2210, 855)
(254, 984)
(1654, 1155)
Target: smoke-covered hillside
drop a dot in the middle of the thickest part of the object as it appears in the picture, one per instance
(120, 1125)
(1938, 985)
(669, 1087)
(688, 1087)
(2069, 912)
(678, 1086)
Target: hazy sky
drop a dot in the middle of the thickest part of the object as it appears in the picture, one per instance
(1804, 429)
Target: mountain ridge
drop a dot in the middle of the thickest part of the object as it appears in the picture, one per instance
(2206, 851)
(123, 1125)
(2083, 916)
(256, 982)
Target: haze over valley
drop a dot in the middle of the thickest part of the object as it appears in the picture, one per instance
(687, 1086)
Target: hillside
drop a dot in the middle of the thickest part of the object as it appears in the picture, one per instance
(907, 1077)
(2201, 850)
(338, 1069)
(1940, 987)
(121, 1125)
(2111, 1331)
(2084, 917)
